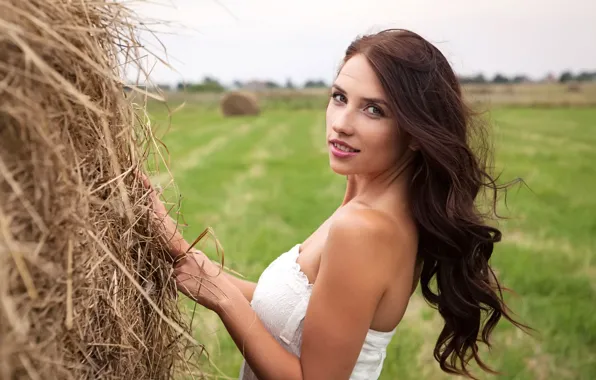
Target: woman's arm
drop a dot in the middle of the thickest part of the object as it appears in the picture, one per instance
(360, 257)
(247, 288)
(358, 263)
(178, 246)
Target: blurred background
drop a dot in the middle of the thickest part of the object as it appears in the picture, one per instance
(261, 179)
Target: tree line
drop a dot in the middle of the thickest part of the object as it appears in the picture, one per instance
(564, 77)
(211, 84)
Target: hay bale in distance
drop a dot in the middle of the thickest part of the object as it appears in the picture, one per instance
(239, 103)
(85, 287)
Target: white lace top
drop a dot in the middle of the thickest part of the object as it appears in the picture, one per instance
(280, 300)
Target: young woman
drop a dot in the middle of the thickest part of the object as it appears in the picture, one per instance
(398, 129)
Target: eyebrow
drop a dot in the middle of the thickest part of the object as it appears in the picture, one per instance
(368, 100)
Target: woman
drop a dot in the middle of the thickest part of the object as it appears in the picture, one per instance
(398, 128)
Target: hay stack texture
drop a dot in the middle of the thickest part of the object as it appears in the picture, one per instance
(239, 103)
(85, 289)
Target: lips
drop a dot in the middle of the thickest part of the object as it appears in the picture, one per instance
(341, 151)
(342, 146)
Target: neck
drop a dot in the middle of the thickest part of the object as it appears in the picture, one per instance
(367, 188)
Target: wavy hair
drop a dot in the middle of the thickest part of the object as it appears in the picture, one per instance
(451, 169)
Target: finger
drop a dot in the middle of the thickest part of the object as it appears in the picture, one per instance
(139, 175)
(199, 283)
(144, 180)
(158, 189)
(196, 265)
(147, 184)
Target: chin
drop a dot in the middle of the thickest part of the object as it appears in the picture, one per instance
(340, 168)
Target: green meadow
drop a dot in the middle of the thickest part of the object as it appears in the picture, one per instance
(263, 184)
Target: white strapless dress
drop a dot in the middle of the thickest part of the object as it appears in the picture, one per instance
(280, 301)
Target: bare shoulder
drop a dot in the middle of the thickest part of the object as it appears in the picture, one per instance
(371, 235)
(372, 224)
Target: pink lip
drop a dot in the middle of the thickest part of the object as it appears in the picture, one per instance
(336, 141)
(340, 153)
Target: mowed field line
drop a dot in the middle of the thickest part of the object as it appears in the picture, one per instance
(238, 198)
(196, 128)
(530, 137)
(195, 158)
(541, 244)
(583, 255)
(272, 145)
(238, 194)
(566, 123)
(198, 132)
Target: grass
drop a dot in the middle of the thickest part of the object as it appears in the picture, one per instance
(263, 183)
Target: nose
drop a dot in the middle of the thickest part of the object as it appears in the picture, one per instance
(342, 122)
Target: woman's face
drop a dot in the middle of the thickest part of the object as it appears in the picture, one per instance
(362, 135)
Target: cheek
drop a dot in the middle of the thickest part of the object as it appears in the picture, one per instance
(383, 141)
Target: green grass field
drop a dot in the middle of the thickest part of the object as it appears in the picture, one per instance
(263, 183)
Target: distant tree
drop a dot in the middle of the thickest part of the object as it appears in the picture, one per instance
(565, 77)
(479, 78)
(315, 84)
(271, 84)
(210, 80)
(209, 84)
(499, 78)
(180, 86)
(238, 84)
(520, 79)
(289, 84)
(586, 76)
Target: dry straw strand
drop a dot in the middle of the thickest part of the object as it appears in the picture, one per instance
(86, 287)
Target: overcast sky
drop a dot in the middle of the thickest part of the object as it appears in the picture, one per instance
(304, 39)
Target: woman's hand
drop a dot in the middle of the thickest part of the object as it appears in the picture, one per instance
(177, 244)
(196, 275)
(203, 281)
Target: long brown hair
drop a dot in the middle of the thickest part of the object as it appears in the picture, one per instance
(451, 168)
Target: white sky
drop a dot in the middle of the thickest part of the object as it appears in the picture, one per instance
(305, 39)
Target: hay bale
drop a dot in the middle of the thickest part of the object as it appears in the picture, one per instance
(239, 103)
(85, 287)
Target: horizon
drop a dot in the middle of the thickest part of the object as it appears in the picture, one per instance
(255, 40)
